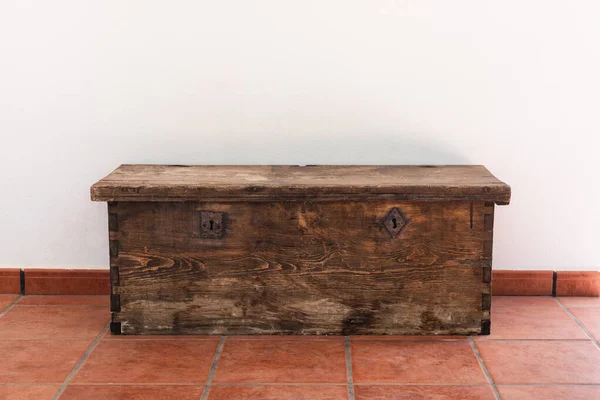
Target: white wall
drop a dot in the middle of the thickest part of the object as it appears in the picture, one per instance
(87, 85)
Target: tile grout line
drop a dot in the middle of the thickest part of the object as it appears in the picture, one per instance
(79, 364)
(11, 305)
(349, 368)
(486, 372)
(213, 368)
(303, 384)
(581, 326)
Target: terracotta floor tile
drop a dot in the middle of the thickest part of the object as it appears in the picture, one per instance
(20, 392)
(115, 392)
(549, 392)
(523, 301)
(590, 318)
(580, 301)
(39, 361)
(541, 362)
(160, 361)
(278, 392)
(52, 322)
(532, 323)
(423, 392)
(6, 299)
(281, 361)
(413, 338)
(415, 362)
(65, 300)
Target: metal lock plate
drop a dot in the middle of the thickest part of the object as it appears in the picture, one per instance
(394, 222)
(211, 224)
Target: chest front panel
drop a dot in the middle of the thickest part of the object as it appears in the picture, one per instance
(301, 267)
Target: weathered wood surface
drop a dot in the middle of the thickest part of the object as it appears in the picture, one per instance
(301, 267)
(288, 182)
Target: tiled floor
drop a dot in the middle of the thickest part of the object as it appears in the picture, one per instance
(58, 347)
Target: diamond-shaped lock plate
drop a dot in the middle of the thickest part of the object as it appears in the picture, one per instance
(394, 222)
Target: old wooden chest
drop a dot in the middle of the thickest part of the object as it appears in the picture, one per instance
(310, 250)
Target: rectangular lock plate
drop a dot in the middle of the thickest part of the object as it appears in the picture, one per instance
(211, 224)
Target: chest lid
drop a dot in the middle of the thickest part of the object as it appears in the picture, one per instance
(292, 182)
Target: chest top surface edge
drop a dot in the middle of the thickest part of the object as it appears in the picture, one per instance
(151, 182)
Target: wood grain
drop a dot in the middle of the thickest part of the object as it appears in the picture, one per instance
(288, 182)
(301, 267)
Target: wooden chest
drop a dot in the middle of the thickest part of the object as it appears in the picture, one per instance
(310, 250)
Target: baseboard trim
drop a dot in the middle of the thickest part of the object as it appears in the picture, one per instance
(10, 281)
(96, 282)
(546, 283)
(522, 283)
(61, 281)
(573, 283)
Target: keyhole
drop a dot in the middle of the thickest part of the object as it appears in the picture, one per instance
(212, 223)
(393, 220)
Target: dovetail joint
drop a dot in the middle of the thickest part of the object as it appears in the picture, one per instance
(113, 222)
(485, 327)
(115, 328)
(488, 247)
(487, 274)
(488, 226)
(486, 302)
(113, 247)
(471, 215)
(113, 251)
(488, 222)
(115, 302)
(114, 276)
